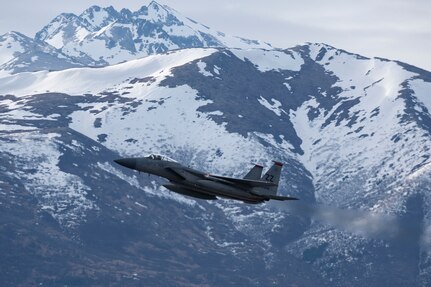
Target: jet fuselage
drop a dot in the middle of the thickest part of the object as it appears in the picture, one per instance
(190, 182)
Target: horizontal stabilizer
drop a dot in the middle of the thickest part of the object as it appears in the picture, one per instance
(275, 197)
(282, 198)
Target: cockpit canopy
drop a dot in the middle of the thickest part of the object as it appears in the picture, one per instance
(159, 157)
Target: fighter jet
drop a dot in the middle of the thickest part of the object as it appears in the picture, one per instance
(253, 188)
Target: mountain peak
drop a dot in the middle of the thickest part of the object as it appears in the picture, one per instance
(64, 28)
(155, 5)
(324, 45)
(319, 50)
(66, 16)
(65, 19)
(99, 17)
(93, 8)
(96, 9)
(152, 6)
(104, 35)
(15, 35)
(156, 13)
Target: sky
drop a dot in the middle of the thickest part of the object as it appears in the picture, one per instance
(393, 29)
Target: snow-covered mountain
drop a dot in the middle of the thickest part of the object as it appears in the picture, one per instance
(108, 36)
(103, 36)
(19, 53)
(354, 132)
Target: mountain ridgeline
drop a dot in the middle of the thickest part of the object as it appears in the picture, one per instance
(354, 134)
(104, 36)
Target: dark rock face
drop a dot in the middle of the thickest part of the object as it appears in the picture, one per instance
(130, 239)
(127, 237)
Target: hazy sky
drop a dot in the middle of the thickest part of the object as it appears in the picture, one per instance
(394, 29)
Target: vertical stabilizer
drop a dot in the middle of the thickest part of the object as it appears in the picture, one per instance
(273, 176)
(255, 173)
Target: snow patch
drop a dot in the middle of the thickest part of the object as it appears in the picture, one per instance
(422, 91)
(274, 107)
(267, 60)
(94, 80)
(202, 69)
(62, 195)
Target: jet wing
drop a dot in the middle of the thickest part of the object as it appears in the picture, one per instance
(183, 173)
(189, 174)
(246, 182)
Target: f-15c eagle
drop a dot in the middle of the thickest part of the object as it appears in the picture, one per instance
(190, 182)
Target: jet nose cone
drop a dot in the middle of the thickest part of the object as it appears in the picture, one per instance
(127, 162)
